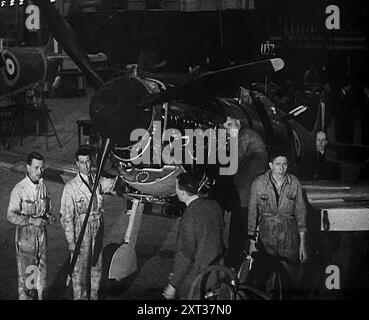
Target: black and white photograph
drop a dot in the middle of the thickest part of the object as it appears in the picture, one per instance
(210, 151)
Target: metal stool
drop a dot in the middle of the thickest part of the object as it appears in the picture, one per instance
(87, 128)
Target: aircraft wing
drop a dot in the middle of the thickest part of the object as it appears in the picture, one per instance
(320, 192)
(214, 83)
(343, 206)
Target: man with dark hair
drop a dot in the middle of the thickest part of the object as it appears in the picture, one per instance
(74, 204)
(34, 155)
(277, 214)
(199, 240)
(29, 208)
(233, 192)
(277, 209)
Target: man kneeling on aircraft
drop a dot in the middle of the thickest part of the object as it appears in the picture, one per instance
(277, 210)
(74, 204)
(200, 237)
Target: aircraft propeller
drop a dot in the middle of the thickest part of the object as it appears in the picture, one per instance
(64, 34)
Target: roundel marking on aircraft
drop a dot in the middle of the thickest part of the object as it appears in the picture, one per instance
(11, 70)
(296, 143)
(10, 67)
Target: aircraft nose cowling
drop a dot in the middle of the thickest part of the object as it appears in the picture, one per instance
(114, 109)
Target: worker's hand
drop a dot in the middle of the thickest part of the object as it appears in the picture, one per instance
(39, 222)
(71, 247)
(252, 247)
(169, 292)
(302, 252)
(107, 184)
(302, 249)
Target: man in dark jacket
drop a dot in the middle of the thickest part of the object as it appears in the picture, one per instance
(199, 240)
(322, 165)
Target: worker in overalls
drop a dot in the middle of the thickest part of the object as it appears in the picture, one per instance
(74, 204)
(277, 214)
(29, 208)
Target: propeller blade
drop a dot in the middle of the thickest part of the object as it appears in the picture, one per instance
(102, 159)
(215, 82)
(64, 34)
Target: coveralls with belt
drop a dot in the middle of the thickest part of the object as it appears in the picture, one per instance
(29, 199)
(74, 204)
(280, 215)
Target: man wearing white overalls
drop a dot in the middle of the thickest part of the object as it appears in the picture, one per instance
(74, 204)
(29, 208)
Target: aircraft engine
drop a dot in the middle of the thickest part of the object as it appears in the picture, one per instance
(115, 113)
